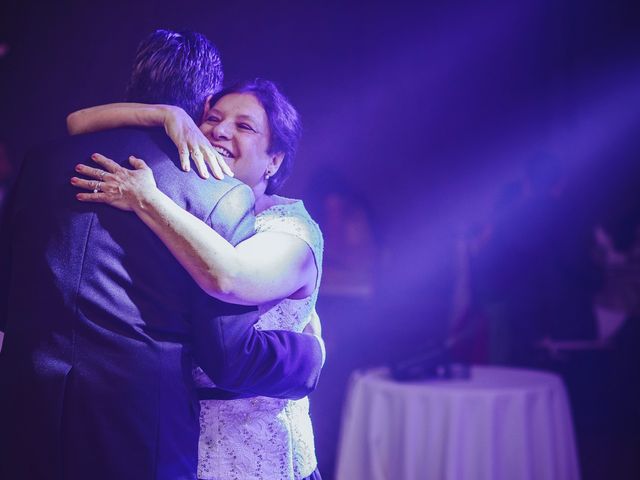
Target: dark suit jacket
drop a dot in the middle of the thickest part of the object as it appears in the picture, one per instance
(102, 324)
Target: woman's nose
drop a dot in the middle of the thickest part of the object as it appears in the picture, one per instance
(222, 131)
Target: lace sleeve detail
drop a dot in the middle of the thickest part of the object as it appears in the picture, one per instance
(294, 219)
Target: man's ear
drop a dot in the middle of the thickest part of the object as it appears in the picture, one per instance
(274, 163)
(206, 107)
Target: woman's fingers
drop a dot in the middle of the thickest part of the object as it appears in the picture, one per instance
(225, 167)
(198, 159)
(137, 163)
(183, 151)
(93, 197)
(97, 195)
(108, 164)
(92, 172)
(214, 160)
(86, 184)
(124, 189)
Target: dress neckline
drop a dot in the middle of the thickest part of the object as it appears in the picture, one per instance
(289, 202)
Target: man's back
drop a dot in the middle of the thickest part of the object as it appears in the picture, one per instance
(97, 354)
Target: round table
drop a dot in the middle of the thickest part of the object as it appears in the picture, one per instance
(501, 424)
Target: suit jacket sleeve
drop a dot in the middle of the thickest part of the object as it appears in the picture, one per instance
(236, 356)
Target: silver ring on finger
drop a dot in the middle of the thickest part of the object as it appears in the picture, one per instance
(102, 174)
(96, 187)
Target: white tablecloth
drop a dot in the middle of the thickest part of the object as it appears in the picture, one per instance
(502, 424)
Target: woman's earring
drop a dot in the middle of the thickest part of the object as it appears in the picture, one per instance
(267, 174)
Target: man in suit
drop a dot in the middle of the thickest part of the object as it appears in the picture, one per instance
(102, 323)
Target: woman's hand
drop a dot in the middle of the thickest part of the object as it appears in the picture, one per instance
(191, 142)
(119, 187)
(177, 124)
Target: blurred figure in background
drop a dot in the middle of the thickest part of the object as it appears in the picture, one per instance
(617, 306)
(533, 276)
(351, 247)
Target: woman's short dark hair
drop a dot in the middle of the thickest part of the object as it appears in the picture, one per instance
(176, 68)
(284, 123)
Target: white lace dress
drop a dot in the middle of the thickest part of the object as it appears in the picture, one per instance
(262, 437)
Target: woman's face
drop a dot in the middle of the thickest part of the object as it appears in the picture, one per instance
(238, 128)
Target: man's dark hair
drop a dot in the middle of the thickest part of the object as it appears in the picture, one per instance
(284, 124)
(176, 68)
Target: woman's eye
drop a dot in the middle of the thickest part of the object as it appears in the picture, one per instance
(213, 118)
(246, 126)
